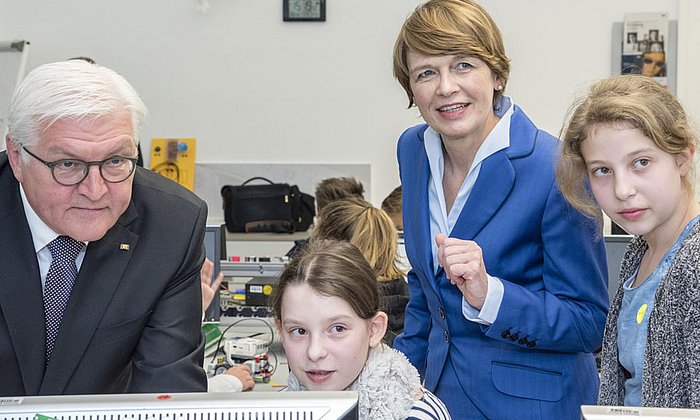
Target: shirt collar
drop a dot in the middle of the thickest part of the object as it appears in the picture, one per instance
(42, 234)
(497, 139)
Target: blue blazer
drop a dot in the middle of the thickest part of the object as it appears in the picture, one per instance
(535, 360)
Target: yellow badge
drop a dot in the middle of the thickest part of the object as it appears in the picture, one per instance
(640, 313)
(267, 290)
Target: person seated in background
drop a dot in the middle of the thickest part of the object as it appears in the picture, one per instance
(392, 206)
(371, 230)
(82, 228)
(333, 189)
(236, 378)
(209, 287)
(327, 311)
(328, 191)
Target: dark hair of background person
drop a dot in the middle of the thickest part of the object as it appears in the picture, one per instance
(332, 189)
(328, 191)
(392, 206)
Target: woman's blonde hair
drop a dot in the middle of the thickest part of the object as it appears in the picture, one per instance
(451, 27)
(368, 228)
(630, 101)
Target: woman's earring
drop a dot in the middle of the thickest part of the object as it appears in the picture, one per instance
(499, 88)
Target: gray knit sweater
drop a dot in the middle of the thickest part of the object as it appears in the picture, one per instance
(671, 375)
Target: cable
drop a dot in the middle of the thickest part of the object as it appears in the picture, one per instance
(274, 367)
(223, 333)
(225, 287)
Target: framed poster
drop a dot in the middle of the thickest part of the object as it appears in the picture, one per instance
(644, 45)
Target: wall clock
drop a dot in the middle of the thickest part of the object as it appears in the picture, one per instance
(304, 10)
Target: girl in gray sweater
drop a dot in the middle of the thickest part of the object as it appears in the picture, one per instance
(628, 151)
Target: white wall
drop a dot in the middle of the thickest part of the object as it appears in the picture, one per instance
(689, 57)
(252, 88)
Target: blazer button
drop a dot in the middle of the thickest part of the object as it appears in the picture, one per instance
(505, 334)
(515, 336)
(442, 312)
(447, 336)
(531, 344)
(522, 341)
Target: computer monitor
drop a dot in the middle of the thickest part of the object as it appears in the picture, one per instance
(315, 405)
(602, 412)
(615, 246)
(215, 246)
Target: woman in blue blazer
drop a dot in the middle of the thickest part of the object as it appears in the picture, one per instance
(509, 283)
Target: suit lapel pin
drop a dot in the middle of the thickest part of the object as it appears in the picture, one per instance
(124, 247)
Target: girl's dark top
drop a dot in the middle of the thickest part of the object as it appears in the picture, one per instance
(394, 297)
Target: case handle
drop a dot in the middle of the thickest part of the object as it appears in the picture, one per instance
(257, 177)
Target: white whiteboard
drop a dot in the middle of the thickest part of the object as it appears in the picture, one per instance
(13, 63)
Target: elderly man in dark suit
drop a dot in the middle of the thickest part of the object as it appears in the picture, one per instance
(99, 259)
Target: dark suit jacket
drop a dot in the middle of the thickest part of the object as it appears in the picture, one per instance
(132, 323)
(535, 360)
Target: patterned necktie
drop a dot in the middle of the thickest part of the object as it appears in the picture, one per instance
(59, 282)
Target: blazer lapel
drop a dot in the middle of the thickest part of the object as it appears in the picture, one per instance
(21, 300)
(99, 276)
(490, 191)
(417, 208)
(496, 178)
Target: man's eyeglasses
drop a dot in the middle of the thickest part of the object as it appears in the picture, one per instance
(70, 172)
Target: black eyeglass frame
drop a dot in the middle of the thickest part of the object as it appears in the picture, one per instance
(86, 165)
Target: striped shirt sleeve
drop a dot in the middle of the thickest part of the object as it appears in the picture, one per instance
(429, 407)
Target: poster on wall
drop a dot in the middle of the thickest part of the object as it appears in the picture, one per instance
(643, 45)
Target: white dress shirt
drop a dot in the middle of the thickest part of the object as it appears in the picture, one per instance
(42, 234)
(441, 222)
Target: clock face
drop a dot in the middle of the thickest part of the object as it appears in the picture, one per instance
(304, 10)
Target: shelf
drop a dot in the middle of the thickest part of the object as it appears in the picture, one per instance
(267, 237)
(252, 269)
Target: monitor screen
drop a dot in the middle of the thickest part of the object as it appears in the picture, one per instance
(215, 246)
(197, 406)
(602, 412)
(615, 246)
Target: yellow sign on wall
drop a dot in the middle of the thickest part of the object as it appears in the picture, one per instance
(174, 159)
